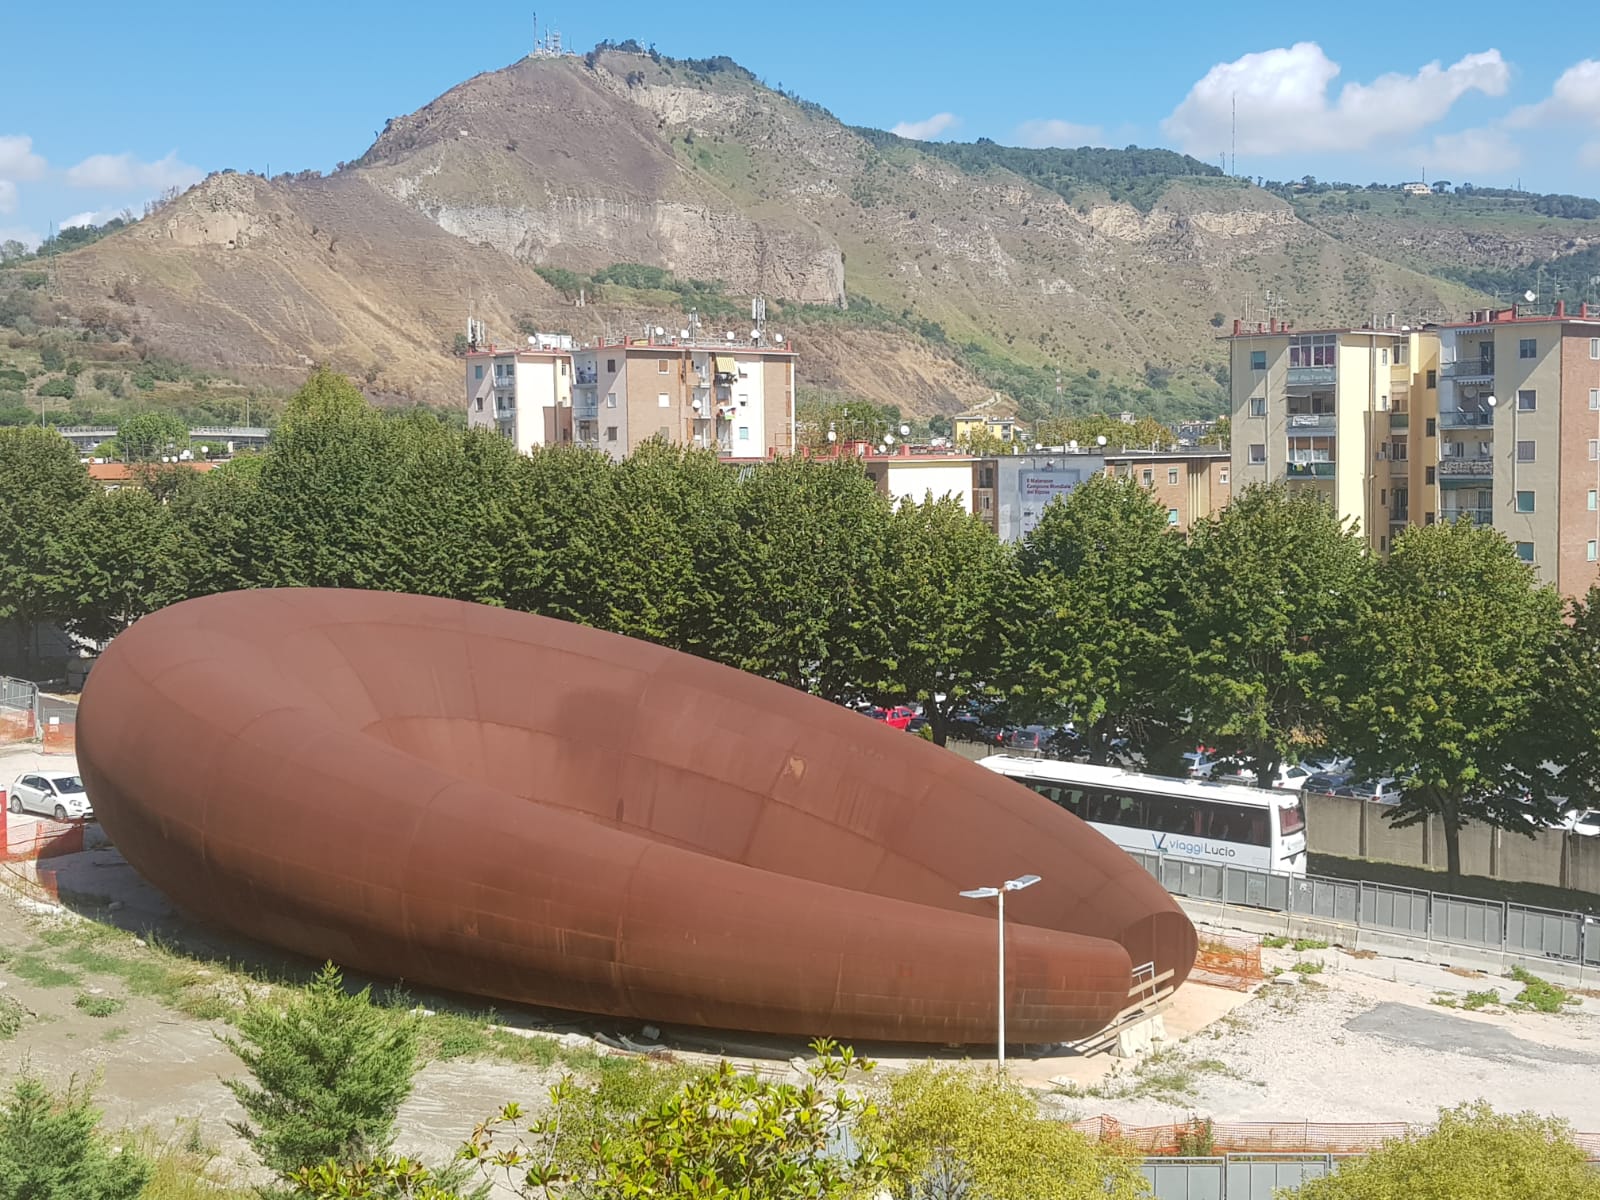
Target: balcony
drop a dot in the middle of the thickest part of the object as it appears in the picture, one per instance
(1466, 418)
(1313, 376)
(1311, 470)
(1466, 468)
(1478, 516)
(1399, 516)
(1322, 422)
(1468, 368)
(585, 409)
(505, 412)
(585, 378)
(1399, 420)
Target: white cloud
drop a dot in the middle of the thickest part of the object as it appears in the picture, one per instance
(84, 218)
(1052, 132)
(8, 196)
(926, 130)
(125, 173)
(1284, 103)
(15, 233)
(1471, 152)
(1574, 97)
(17, 159)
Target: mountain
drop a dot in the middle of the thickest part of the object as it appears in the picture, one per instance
(928, 276)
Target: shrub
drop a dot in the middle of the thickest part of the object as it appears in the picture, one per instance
(64, 387)
(1540, 994)
(51, 1148)
(329, 1072)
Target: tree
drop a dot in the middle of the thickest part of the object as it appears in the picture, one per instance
(330, 1072)
(938, 608)
(1472, 1153)
(12, 250)
(151, 434)
(1273, 585)
(123, 560)
(51, 1148)
(42, 486)
(1092, 634)
(1221, 433)
(970, 1131)
(1446, 680)
(1568, 716)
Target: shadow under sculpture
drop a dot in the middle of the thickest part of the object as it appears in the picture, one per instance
(530, 810)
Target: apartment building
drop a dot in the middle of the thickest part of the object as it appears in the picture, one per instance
(1191, 483)
(524, 393)
(1519, 435)
(969, 425)
(736, 397)
(1337, 411)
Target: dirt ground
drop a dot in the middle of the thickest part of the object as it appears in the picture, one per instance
(1361, 1039)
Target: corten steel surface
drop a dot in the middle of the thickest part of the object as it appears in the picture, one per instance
(530, 810)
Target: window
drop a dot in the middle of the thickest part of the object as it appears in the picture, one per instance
(1147, 477)
(1527, 400)
(1383, 544)
(1433, 379)
(1172, 516)
(1172, 474)
(1528, 348)
(1428, 475)
(1524, 451)
(662, 366)
(744, 433)
(1399, 449)
(1402, 353)
(1384, 360)
(478, 371)
(1314, 350)
(1525, 551)
(611, 433)
(1594, 500)
(1258, 360)
(1594, 399)
(563, 368)
(1222, 478)
(663, 400)
(480, 403)
(1524, 502)
(1258, 453)
(611, 399)
(611, 366)
(1589, 551)
(1258, 406)
(1432, 427)
(1427, 518)
(986, 476)
(1594, 347)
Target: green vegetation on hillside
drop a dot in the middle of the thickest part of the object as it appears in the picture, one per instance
(1135, 175)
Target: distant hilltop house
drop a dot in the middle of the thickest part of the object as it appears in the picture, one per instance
(963, 428)
(1416, 189)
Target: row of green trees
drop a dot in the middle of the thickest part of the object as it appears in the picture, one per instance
(326, 1072)
(1267, 632)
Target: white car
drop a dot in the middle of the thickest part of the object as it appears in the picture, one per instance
(57, 794)
(1291, 776)
(1584, 821)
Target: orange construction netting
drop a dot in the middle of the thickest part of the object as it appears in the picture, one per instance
(1227, 961)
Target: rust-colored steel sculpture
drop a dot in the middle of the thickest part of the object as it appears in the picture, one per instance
(534, 811)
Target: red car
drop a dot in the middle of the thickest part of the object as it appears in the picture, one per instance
(896, 718)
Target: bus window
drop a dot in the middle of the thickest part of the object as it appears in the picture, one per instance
(1291, 819)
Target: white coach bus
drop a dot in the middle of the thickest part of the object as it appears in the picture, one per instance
(1219, 823)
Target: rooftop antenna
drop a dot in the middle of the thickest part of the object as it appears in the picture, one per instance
(1234, 154)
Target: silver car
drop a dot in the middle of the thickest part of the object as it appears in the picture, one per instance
(57, 794)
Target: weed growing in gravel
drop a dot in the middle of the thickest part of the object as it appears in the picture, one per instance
(1168, 1075)
(11, 1014)
(97, 1006)
(1307, 968)
(1310, 944)
(35, 969)
(1275, 941)
(1477, 1000)
(1540, 994)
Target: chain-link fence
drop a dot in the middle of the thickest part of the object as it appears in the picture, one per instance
(19, 710)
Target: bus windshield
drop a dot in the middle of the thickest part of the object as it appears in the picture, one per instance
(1291, 818)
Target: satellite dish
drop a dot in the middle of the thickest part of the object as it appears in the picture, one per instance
(532, 340)
(778, 337)
(684, 334)
(730, 335)
(755, 335)
(1468, 391)
(660, 332)
(695, 404)
(1530, 295)
(905, 431)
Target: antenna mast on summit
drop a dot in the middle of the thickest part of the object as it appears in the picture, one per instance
(1233, 169)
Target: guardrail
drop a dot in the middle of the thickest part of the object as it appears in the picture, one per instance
(1239, 1176)
(1495, 925)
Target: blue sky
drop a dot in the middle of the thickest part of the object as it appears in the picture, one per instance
(117, 102)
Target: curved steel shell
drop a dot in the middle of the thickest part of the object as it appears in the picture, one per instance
(535, 811)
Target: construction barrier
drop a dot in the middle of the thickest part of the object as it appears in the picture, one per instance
(60, 737)
(1268, 1137)
(1224, 960)
(29, 839)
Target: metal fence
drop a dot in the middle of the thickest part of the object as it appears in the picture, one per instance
(19, 710)
(1237, 1176)
(1494, 925)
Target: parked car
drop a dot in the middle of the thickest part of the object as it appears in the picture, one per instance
(917, 724)
(1328, 763)
(1326, 783)
(57, 794)
(900, 716)
(1585, 821)
(1383, 791)
(1291, 776)
(1200, 763)
(1028, 737)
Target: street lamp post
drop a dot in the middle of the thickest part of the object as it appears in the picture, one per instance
(999, 893)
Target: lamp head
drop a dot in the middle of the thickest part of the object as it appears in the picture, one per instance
(981, 893)
(1020, 882)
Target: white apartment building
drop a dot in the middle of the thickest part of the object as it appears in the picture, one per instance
(524, 394)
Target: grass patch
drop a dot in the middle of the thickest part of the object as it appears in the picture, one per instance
(1307, 968)
(1310, 944)
(39, 971)
(11, 1015)
(1476, 1000)
(1276, 941)
(1540, 994)
(1167, 1075)
(98, 1006)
